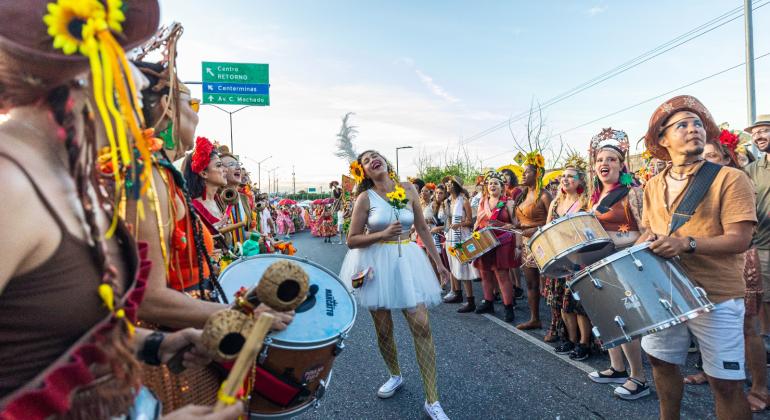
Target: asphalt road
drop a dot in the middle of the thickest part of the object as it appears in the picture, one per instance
(486, 369)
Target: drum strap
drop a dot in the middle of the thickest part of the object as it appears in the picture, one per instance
(694, 195)
(611, 198)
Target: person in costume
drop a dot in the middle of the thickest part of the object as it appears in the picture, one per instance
(204, 175)
(459, 224)
(710, 247)
(327, 229)
(403, 280)
(77, 262)
(531, 213)
(284, 222)
(617, 204)
(572, 197)
(496, 211)
(238, 210)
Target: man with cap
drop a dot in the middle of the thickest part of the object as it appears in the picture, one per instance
(759, 173)
(710, 246)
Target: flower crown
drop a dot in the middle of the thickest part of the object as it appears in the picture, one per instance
(535, 159)
(619, 137)
(357, 171)
(431, 186)
(201, 156)
(574, 160)
(729, 139)
(494, 175)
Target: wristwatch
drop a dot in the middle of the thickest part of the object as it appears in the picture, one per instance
(691, 242)
(149, 352)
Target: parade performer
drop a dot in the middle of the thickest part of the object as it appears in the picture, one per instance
(402, 276)
(204, 175)
(237, 208)
(496, 211)
(77, 262)
(571, 198)
(459, 223)
(617, 204)
(531, 213)
(284, 222)
(709, 245)
(326, 228)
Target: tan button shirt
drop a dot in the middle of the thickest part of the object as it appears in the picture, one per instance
(729, 200)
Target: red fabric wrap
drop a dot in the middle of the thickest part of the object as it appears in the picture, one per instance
(52, 397)
(274, 389)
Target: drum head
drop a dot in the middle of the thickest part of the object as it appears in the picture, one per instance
(328, 311)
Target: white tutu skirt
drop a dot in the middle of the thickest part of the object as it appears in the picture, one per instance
(398, 283)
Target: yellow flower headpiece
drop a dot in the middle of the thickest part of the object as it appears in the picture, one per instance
(87, 26)
(535, 159)
(574, 160)
(357, 171)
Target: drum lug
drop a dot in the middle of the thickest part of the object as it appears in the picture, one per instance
(595, 281)
(263, 354)
(622, 325)
(338, 348)
(638, 263)
(575, 295)
(702, 295)
(667, 306)
(595, 330)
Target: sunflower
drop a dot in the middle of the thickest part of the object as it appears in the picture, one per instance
(73, 24)
(357, 172)
(476, 235)
(115, 15)
(452, 252)
(540, 160)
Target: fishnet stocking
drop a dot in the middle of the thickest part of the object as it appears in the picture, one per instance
(423, 346)
(383, 325)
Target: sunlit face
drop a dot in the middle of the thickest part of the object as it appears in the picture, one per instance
(684, 134)
(529, 176)
(232, 170)
(761, 137)
(570, 180)
(608, 166)
(214, 174)
(188, 120)
(712, 154)
(494, 187)
(440, 196)
(374, 164)
(426, 194)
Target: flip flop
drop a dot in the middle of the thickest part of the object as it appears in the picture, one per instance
(696, 379)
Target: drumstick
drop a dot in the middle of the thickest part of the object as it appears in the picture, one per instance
(243, 363)
(230, 228)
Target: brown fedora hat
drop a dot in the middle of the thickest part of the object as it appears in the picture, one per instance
(762, 119)
(30, 65)
(665, 111)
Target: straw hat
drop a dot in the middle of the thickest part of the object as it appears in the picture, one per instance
(665, 111)
(30, 65)
(763, 119)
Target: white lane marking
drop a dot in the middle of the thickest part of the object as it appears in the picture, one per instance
(577, 364)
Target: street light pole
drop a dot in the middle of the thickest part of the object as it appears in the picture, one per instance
(751, 103)
(230, 113)
(397, 149)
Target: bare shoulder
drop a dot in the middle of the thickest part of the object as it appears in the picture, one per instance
(409, 187)
(362, 200)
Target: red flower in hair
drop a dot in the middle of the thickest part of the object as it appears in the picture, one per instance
(729, 140)
(201, 155)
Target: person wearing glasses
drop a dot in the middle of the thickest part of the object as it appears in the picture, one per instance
(237, 205)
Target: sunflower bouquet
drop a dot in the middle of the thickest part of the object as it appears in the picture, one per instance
(398, 200)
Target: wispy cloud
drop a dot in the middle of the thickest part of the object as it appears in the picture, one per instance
(596, 10)
(435, 88)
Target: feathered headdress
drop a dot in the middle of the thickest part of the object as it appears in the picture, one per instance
(345, 139)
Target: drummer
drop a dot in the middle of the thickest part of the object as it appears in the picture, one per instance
(617, 204)
(496, 211)
(572, 197)
(531, 213)
(710, 247)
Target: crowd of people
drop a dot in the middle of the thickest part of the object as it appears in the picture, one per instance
(130, 217)
(713, 244)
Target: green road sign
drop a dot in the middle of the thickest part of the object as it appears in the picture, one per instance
(311, 190)
(235, 83)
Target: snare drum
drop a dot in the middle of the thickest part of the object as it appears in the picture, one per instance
(478, 244)
(295, 366)
(634, 293)
(569, 243)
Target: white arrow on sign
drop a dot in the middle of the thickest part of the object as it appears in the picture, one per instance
(210, 87)
(208, 70)
(211, 98)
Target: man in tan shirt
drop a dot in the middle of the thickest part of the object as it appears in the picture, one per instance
(710, 246)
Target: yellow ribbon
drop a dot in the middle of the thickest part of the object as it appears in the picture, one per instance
(403, 242)
(224, 398)
(108, 297)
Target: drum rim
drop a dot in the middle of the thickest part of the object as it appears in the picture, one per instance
(289, 345)
(544, 268)
(543, 228)
(611, 259)
(298, 410)
(656, 328)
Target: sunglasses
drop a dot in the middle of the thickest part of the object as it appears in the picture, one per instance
(195, 104)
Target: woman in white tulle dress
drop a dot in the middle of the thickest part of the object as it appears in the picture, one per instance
(402, 278)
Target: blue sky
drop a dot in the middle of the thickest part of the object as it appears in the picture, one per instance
(429, 74)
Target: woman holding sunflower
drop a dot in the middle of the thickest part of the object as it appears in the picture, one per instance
(401, 275)
(531, 213)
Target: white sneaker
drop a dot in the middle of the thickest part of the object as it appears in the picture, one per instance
(389, 388)
(434, 411)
